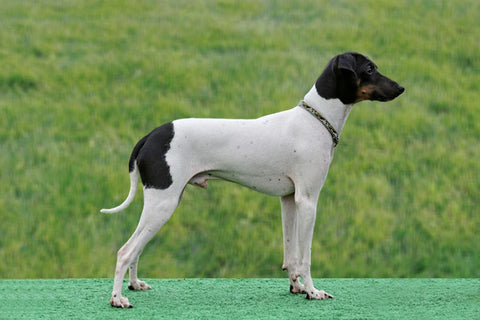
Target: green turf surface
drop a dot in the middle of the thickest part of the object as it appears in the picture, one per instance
(243, 298)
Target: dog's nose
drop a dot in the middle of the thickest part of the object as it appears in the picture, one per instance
(400, 88)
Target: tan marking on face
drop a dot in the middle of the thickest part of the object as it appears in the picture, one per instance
(365, 92)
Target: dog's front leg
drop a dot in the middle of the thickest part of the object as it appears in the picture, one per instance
(290, 243)
(305, 207)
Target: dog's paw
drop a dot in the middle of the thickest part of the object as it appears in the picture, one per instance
(120, 302)
(298, 288)
(139, 285)
(318, 295)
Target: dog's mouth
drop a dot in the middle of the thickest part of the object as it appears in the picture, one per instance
(386, 95)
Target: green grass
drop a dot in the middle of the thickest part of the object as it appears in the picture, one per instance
(432, 299)
(82, 81)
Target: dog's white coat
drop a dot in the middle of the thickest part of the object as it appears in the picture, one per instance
(285, 154)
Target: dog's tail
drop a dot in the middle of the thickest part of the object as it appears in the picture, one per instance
(133, 168)
(131, 194)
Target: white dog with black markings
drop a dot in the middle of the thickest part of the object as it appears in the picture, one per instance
(285, 154)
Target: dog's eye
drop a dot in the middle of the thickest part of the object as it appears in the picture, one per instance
(370, 69)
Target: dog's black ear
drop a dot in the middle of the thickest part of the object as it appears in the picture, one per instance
(344, 62)
(346, 78)
(339, 79)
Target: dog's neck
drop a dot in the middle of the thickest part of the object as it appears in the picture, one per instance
(332, 109)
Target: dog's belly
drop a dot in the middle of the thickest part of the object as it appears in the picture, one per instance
(274, 185)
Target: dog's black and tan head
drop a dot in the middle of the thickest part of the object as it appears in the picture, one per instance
(352, 77)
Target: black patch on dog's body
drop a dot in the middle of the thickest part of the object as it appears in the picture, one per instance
(135, 151)
(150, 154)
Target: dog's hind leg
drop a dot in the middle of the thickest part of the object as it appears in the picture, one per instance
(159, 206)
(135, 283)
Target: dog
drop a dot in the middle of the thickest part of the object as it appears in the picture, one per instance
(285, 154)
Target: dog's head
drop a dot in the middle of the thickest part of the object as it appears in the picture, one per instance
(352, 77)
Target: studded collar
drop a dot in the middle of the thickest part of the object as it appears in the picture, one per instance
(328, 126)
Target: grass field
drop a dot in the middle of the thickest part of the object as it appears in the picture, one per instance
(82, 81)
(432, 299)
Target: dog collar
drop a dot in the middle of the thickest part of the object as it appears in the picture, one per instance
(324, 121)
